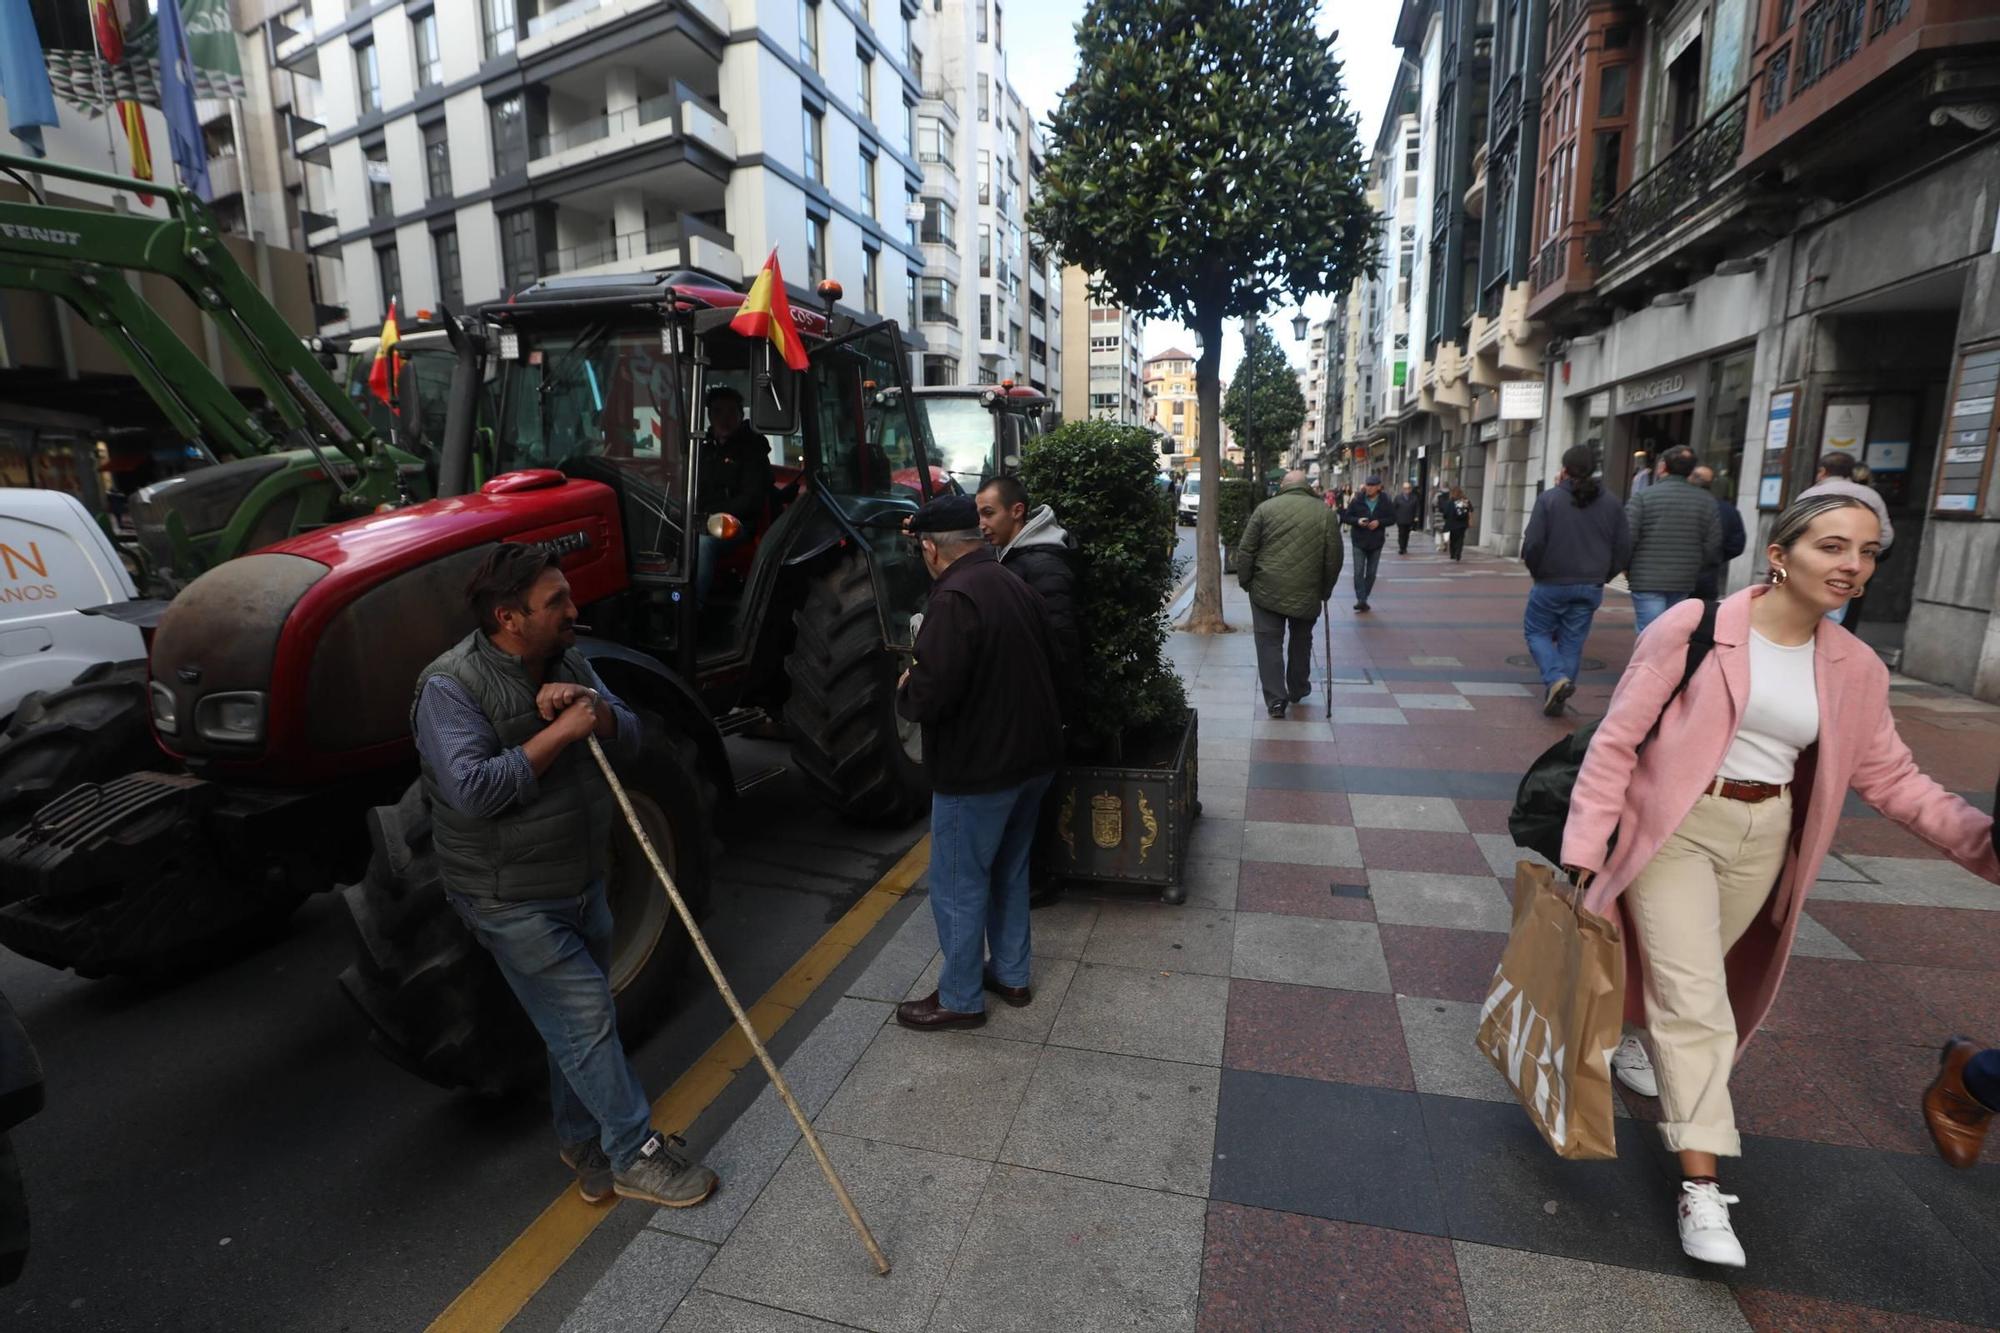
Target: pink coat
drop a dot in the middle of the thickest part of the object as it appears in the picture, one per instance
(1645, 799)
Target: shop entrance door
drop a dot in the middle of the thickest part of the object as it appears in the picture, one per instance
(1653, 433)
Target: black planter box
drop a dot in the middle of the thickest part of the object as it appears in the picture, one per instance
(1125, 823)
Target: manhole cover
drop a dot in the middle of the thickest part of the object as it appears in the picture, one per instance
(1523, 660)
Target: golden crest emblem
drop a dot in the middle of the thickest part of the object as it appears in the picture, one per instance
(1107, 820)
(1151, 825)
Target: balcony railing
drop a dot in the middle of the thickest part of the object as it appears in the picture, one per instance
(1551, 264)
(1829, 35)
(610, 249)
(602, 127)
(1684, 183)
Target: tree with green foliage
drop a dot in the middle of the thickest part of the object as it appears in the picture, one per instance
(1263, 406)
(1206, 164)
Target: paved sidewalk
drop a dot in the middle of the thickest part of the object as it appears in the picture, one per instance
(1262, 1110)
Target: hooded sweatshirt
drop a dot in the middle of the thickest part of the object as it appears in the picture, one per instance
(1041, 554)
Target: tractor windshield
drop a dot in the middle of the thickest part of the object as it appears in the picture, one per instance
(963, 428)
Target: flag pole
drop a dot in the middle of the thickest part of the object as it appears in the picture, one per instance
(104, 101)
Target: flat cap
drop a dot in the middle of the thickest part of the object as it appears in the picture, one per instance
(947, 513)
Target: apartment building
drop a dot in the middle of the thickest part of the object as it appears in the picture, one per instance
(1171, 407)
(1101, 356)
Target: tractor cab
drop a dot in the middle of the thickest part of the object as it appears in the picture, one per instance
(981, 430)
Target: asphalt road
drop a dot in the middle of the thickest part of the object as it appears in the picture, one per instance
(229, 1153)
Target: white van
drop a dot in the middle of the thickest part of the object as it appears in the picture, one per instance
(54, 562)
(1190, 504)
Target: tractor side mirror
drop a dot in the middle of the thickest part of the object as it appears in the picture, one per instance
(774, 394)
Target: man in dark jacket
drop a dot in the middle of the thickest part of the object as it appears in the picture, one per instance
(1288, 560)
(981, 688)
(1409, 507)
(1675, 535)
(735, 480)
(521, 821)
(1577, 541)
(1709, 586)
(1369, 514)
(1030, 542)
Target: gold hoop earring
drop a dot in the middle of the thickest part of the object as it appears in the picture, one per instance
(1778, 576)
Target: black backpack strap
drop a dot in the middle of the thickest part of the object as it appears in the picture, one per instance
(1699, 642)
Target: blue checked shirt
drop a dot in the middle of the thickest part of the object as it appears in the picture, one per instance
(473, 772)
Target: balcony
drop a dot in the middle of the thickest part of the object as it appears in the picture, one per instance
(566, 23)
(225, 176)
(686, 242)
(682, 113)
(1696, 182)
(1475, 193)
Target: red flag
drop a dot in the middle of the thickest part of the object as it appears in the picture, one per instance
(767, 314)
(382, 374)
(110, 35)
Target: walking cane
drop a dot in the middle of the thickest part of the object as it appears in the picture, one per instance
(742, 1019)
(1326, 619)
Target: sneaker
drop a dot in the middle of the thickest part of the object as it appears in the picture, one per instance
(665, 1177)
(592, 1167)
(1705, 1231)
(1635, 1068)
(1558, 692)
(1277, 710)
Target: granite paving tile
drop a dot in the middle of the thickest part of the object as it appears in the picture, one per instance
(1824, 998)
(1221, 749)
(1967, 1002)
(1812, 940)
(1306, 722)
(1264, 1271)
(1122, 1118)
(1297, 777)
(1433, 703)
(1047, 1251)
(1290, 1144)
(1350, 715)
(1785, 1312)
(1967, 1202)
(644, 1284)
(1342, 1036)
(1161, 938)
(1211, 884)
(706, 1312)
(1224, 803)
(1062, 929)
(1408, 849)
(1050, 981)
(1443, 1059)
(1483, 816)
(1301, 844)
(1429, 814)
(1866, 891)
(1880, 837)
(1833, 868)
(1296, 807)
(1875, 1086)
(1160, 1015)
(1420, 898)
(1774, 1096)
(1223, 776)
(1216, 839)
(1441, 961)
(1491, 689)
(1309, 951)
(901, 959)
(1503, 855)
(1320, 751)
(1939, 883)
(1513, 1291)
(1922, 936)
(946, 1092)
(1336, 892)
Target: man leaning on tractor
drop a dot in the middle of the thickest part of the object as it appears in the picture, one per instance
(521, 818)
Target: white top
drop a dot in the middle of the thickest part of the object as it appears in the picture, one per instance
(1782, 717)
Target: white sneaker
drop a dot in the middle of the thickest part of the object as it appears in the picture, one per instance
(1705, 1231)
(1635, 1068)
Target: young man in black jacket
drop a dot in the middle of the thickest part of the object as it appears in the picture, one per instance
(982, 690)
(1028, 540)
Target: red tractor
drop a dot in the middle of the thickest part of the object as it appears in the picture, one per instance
(283, 679)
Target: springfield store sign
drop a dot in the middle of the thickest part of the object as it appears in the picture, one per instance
(1661, 390)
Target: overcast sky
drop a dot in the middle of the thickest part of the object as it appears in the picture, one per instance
(1041, 61)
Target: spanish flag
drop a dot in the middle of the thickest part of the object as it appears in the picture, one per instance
(382, 374)
(767, 314)
(110, 37)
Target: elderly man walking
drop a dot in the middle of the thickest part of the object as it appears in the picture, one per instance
(982, 690)
(1288, 561)
(1675, 536)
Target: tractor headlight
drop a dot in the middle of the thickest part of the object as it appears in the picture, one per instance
(164, 715)
(233, 718)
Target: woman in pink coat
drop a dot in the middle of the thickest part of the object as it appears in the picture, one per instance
(1723, 818)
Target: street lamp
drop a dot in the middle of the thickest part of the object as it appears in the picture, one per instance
(1299, 326)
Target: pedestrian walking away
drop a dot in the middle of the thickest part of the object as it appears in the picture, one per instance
(1675, 536)
(1839, 474)
(1441, 502)
(1723, 800)
(1577, 541)
(983, 690)
(1408, 506)
(521, 818)
(1734, 539)
(1457, 520)
(1369, 514)
(1288, 561)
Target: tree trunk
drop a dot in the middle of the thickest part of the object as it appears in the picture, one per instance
(1206, 615)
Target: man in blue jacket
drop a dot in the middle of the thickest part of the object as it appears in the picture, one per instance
(1370, 514)
(1709, 586)
(1577, 541)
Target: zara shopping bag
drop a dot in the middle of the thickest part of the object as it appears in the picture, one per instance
(1554, 1012)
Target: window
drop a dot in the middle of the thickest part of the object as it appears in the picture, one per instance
(867, 11)
(864, 82)
(985, 176)
(815, 251)
(375, 165)
(935, 140)
(996, 25)
(985, 250)
(871, 276)
(940, 301)
(437, 160)
(430, 60)
(507, 123)
(868, 184)
(368, 77)
(388, 273)
(917, 66)
(1609, 147)
(940, 370)
(985, 317)
(517, 248)
(985, 96)
(451, 286)
(1611, 91)
(809, 33)
(909, 127)
(501, 27)
(815, 136)
(911, 213)
(908, 44)
(910, 298)
(940, 224)
(982, 20)
(1015, 343)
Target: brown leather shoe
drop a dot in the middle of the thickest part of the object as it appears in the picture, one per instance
(927, 1015)
(1018, 996)
(1956, 1119)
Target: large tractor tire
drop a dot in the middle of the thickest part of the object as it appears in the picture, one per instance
(847, 738)
(21, 1096)
(97, 727)
(435, 1000)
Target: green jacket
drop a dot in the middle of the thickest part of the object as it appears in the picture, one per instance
(1290, 554)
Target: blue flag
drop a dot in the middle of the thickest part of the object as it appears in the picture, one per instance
(24, 78)
(177, 100)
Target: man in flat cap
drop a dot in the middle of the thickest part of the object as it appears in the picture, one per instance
(981, 688)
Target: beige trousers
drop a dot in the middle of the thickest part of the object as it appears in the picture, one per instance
(1687, 908)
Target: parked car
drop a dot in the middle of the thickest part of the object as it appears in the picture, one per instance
(1190, 506)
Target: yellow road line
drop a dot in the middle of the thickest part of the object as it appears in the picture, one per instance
(520, 1271)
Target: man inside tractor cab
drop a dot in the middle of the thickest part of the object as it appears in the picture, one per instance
(735, 481)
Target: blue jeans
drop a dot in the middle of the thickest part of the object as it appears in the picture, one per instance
(1556, 623)
(1366, 563)
(710, 552)
(1650, 606)
(556, 956)
(979, 887)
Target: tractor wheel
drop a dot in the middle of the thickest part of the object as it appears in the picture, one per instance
(96, 727)
(433, 997)
(847, 738)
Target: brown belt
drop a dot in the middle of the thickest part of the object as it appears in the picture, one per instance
(1752, 792)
